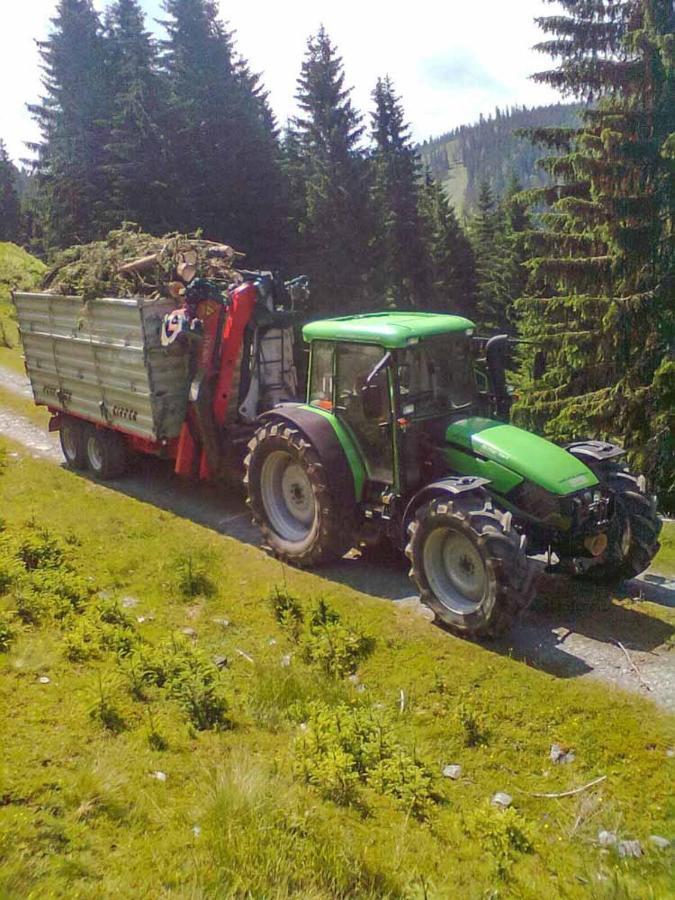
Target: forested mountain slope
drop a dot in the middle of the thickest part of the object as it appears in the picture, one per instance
(490, 150)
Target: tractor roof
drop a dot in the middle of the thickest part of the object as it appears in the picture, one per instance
(390, 329)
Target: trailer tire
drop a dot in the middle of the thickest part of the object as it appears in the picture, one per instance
(106, 452)
(470, 565)
(72, 436)
(290, 498)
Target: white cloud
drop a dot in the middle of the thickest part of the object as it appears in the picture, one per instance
(450, 61)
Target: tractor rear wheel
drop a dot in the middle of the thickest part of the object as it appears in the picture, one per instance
(633, 532)
(106, 452)
(470, 565)
(290, 498)
(72, 438)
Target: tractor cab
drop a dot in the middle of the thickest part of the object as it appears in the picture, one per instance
(396, 381)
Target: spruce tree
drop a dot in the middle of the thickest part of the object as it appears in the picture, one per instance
(136, 165)
(397, 253)
(10, 213)
(488, 235)
(225, 156)
(333, 234)
(449, 255)
(73, 120)
(602, 271)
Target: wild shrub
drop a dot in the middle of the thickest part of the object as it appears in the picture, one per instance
(106, 712)
(504, 832)
(193, 579)
(11, 568)
(36, 548)
(344, 747)
(82, 642)
(288, 612)
(472, 724)
(324, 639)
(7, 634)
(333, 646)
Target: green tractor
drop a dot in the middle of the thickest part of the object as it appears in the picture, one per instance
(395, 441)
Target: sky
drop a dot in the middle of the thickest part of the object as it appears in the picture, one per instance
(449, 61)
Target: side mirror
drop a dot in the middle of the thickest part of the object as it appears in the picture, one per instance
(539, 366)
(373, 396)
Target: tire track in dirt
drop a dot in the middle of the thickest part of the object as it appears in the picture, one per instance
(572, 631)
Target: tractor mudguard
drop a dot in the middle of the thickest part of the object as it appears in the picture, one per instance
(452, 485)
(598, 451)
(333, 445)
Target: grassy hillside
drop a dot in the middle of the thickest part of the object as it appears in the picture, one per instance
(489, 149)
(18, 271)
(183, 716)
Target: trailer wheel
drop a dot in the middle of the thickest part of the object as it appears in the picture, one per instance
(469, 565)
(72, 438)
(106, 452)
(290, 498)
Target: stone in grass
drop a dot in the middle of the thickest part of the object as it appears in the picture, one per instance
(220, 662)
(502, 799)
(659, 842)
(629, 849)
(129, 602)
(558, 754)
(224, 623)
(453, 772)
(189, 632)
(44, 680)
(286, 661)
(606, 838)
(158, 776)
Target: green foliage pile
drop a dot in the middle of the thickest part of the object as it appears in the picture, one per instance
(93, 270)
(600, 299)
(21, 272)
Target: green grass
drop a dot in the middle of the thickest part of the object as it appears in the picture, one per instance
(82, 816)
(18, 271)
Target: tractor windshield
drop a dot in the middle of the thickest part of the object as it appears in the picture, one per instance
(436, 376)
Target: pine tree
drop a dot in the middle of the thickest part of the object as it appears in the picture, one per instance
(450, 258)
(488, 235)
(517, 224)
(9, 198)
(397, 252)
(137, 162)
(225, 156)
(73, 119)
(333, 234)
(602, 271)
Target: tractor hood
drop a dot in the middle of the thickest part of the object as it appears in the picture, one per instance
(507, 455)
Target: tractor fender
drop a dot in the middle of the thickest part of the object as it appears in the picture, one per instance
(594, 451)
(450, 486)
(333, 444)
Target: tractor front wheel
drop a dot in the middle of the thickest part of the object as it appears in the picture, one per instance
(633, 532)
(470, 565)
(290, 498)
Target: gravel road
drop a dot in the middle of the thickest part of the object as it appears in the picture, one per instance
(572, 631)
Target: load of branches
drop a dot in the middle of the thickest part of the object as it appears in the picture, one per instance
(131, 263)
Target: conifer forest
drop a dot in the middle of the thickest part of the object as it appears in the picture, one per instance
(566, 240)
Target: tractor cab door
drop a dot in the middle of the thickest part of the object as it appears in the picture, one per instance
(365, 407)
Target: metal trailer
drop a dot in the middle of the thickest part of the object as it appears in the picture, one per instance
(112, 386)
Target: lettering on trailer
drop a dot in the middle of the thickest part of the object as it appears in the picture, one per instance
(61, 395)
(123, 412)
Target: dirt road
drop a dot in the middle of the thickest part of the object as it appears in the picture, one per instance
(572, 631)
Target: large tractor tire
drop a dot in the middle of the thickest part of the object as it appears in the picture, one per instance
(72, 437)
(470, 565)
(290, 498)
(633, 532)
(106, 453)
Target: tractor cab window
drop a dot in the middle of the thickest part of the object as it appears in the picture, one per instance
(436, 376)
(364, 405)
(321, 381)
